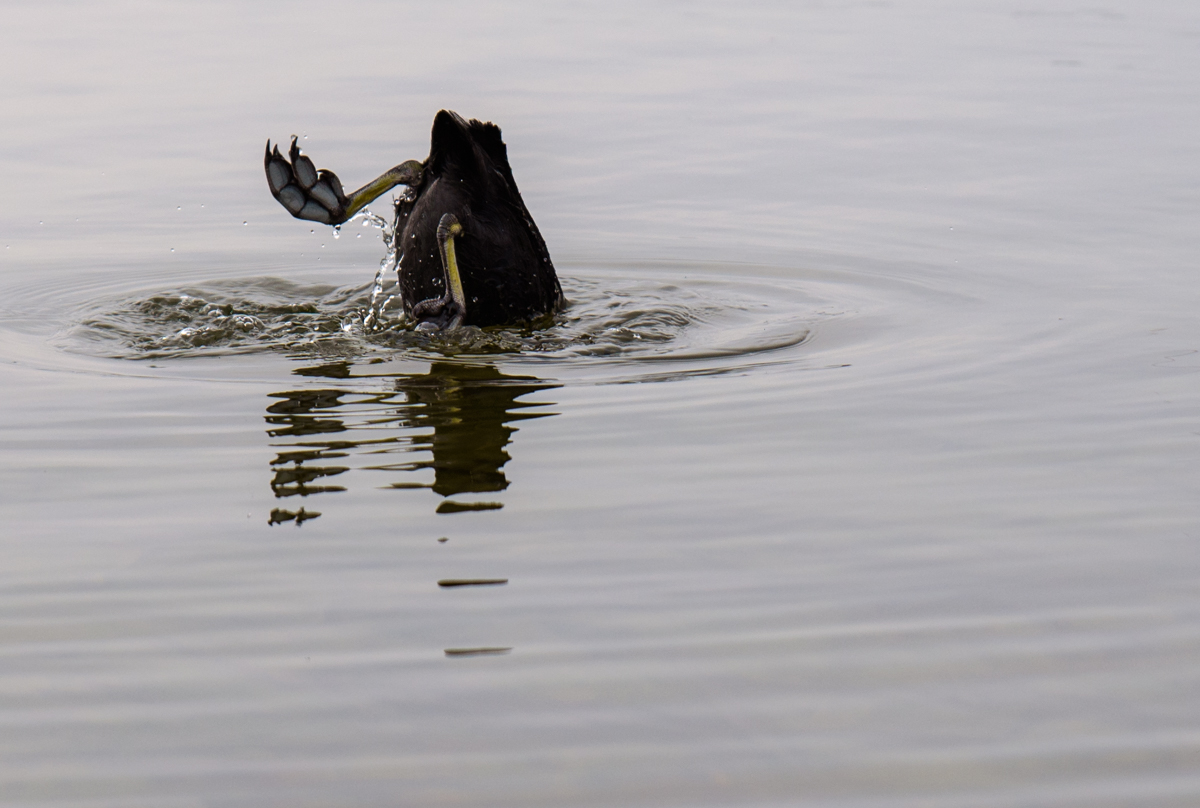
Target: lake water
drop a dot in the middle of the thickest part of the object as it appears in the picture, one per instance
(862, 471)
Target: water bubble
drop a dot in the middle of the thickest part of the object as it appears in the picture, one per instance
(337, 231)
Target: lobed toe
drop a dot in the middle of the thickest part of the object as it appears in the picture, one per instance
(325, 195)
(293, 199)
(278, 175)
(327, 176)
(314, 213)
(430, 307)
(305, 171)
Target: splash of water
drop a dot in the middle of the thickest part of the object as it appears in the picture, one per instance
(712, 318)
(373, 319)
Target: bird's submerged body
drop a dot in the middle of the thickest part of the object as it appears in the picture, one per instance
(469, 252)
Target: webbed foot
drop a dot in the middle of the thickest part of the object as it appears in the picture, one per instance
(317, 196)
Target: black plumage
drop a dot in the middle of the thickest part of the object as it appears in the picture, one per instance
(507, 275)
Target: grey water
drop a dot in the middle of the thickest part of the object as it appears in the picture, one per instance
(861, 471)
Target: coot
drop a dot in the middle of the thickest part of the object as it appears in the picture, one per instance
(470, 253)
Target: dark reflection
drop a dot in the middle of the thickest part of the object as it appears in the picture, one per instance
(455, 420)
(302, 413)
(281, 515)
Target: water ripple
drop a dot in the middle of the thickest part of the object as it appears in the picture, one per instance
(690, 314)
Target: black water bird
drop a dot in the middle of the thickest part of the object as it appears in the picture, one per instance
(469, 251)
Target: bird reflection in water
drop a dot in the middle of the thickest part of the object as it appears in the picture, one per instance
(457, 419)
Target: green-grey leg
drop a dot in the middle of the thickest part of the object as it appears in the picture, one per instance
(448, 228)
(447, 312)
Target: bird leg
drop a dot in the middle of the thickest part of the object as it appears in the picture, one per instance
(448, 228)
(448, 311)
(317, 195)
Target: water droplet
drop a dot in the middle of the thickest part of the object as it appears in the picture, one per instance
(41, 222)
(172, 249)
(245, 223)
(322, 246)
(201, 206)
(179, 207)
(358, 235)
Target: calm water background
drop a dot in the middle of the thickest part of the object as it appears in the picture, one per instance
(875, 485)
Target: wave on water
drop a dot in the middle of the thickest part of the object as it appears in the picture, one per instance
(643, 314)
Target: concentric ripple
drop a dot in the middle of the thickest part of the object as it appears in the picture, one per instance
(695, 314)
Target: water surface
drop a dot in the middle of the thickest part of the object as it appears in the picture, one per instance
(860, 471)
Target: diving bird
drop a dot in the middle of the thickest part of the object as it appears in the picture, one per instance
(469, 251)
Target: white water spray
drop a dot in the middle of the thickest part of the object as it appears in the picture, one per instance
(373, 317)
